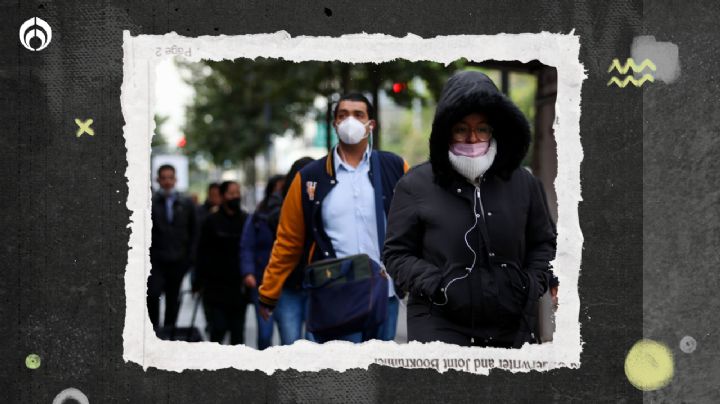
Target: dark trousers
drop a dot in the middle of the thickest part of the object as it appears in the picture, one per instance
(165, 279)
(427, 324)
(226, 317)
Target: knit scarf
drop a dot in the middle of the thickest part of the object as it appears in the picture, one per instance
(473, 167)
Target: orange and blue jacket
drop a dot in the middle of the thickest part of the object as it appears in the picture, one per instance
(301, 237)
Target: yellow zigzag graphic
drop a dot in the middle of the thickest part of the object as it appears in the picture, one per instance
(630, 79)
(630, 63)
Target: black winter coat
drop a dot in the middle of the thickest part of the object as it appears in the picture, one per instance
(218, 262)
(474, 259)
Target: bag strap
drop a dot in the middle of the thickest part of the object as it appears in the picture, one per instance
(379, 210)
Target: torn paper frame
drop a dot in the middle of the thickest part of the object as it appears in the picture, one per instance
(141, 55)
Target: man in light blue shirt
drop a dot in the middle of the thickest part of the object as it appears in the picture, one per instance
(348, 213)
(330, 211)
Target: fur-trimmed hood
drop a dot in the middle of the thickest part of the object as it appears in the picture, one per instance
(467, 92)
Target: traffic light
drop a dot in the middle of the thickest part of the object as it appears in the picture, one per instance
(398, 87)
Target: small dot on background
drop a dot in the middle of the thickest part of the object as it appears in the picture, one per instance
(688, 344)
(32, 361)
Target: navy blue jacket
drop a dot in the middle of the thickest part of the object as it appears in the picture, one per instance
(255, 246)
(301, 236)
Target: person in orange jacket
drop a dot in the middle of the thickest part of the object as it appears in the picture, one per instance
(329, 211)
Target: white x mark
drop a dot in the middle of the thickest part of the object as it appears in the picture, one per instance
(84, 127)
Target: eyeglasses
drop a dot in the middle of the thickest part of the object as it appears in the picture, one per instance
(461, 132)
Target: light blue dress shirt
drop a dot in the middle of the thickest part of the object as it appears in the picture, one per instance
(348, 211)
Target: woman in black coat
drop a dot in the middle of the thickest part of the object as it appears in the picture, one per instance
(218, 268)
(469, 234)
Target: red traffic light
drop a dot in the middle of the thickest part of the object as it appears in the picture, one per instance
(182, 142)
(398, 87)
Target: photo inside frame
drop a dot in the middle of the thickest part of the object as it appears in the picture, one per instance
(242, 121)
(247, 121)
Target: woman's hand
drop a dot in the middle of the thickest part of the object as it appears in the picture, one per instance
(265, 312)
(250, 281)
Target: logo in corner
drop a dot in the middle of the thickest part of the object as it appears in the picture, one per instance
(35, 34)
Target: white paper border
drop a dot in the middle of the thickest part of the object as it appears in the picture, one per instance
(142, 53)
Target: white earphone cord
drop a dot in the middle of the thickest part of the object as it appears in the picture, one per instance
(467, 269)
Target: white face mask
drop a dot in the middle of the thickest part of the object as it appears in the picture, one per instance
(351, 131)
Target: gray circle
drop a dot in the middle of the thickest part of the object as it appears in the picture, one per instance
(71, 394)
(688, 344)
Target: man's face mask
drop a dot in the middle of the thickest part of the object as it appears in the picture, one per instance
(234, 204)
(352, 131)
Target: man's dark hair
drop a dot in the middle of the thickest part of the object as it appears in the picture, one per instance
(165, 167)
(212, 186)
(355, 97)
(225, 185)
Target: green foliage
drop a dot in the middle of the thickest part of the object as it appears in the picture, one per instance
(159, 140)
(523, 88)
(240, 105)
(408, 135)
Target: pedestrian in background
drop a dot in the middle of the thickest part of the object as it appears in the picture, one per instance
(173, 235)
(212, 202)
(218, 276)
(255, 246)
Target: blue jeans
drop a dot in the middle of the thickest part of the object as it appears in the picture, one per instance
(386, 330)
(389, 327)
(264, 327)
(290, 314)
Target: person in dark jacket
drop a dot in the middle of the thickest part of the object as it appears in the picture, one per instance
(212, 202)
(218, 275)
(255, 246)
(469, 233)
(173, 235)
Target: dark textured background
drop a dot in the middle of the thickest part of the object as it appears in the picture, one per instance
(650, 207)
(681, 204)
